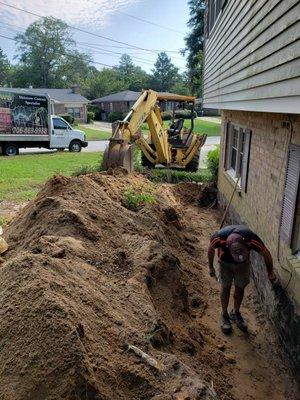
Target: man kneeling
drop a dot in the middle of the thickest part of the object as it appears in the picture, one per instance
(234, 244)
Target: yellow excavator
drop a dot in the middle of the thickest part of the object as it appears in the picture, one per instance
(175, 146)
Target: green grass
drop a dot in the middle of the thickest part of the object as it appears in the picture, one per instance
(200, 126)
(22, 176)
(93, 134)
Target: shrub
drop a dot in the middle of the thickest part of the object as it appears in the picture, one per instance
(212, 162)
(90, 116)
(135, 198)
(115, 116)
(185, 114)
(175, 176)
(68, 118)
(166, 115)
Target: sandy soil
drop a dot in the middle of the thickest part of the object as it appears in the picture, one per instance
(100, 302)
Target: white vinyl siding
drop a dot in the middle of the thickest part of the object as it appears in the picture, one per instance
(252, 57)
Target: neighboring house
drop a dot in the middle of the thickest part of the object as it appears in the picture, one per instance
(252, 74)
(116, 102)
(63, 101)
(123, 101)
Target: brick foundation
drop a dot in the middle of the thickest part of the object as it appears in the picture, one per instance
(260, 209)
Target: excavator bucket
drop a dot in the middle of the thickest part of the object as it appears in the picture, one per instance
(118, 154)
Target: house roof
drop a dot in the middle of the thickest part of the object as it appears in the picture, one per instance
(129, 95)
(126, 95)
(58, 95)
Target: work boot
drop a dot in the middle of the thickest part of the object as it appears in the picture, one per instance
(225, 323)
(239, 320)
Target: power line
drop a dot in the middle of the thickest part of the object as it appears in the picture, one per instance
(104, 51)
(70, 55)
(79, 29)
(116, 54)
(15, 26)
(125, 51)
(142, 20)
(6, 37)
(106, 45)
(149, 22)
(95, 47)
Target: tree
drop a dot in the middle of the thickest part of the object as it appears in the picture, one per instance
(165, 74)
(195, 45)
(4, 69)
(47, 54)
(134, 77)
(104, 82)
(181, 86)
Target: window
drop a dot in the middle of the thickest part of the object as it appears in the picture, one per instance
(213, 10)
(74, 112)
(290, 215)
(59, 124)
(236, 150)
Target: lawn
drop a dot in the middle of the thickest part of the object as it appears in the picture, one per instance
(22, 176)
(200, 126)
(93, 134)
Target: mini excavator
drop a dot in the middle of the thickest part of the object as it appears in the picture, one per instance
(174, 147)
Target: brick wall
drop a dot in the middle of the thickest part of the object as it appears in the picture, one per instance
(260, 209)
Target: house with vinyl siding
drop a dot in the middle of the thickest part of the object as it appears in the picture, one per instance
(252, 74)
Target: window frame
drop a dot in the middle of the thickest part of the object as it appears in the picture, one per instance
(242, 148)
(71, 111)
(214, 11)
(289, 219)
(55, 119)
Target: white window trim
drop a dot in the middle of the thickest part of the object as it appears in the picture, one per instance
(231, 174)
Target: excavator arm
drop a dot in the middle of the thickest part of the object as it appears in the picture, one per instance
(126, 133)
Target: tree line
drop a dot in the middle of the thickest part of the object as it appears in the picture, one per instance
(47, 57)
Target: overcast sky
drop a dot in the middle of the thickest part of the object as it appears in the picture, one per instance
(107, 18)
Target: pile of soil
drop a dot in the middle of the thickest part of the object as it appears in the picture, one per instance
(102, 303)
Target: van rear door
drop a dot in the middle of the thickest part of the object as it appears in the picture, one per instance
(60, 135)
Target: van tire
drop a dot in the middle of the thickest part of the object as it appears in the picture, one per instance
(75, 146)
(10, 150)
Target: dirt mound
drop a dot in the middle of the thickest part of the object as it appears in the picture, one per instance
(98, 302)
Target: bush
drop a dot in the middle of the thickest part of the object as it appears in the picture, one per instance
(166, 115)
(175, 176)
(135, 198)
(68, 118)
(212, 162)
(90, 116)
(115, 116)
(185, 114)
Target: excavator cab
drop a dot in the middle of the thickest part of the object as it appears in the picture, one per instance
(175, 146)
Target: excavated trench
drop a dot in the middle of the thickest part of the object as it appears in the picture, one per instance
(100, 302)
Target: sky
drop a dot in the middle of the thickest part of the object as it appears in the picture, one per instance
(119, 20)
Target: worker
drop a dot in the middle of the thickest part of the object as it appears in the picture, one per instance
(234, 244)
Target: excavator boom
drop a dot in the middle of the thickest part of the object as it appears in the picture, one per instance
(163, 146)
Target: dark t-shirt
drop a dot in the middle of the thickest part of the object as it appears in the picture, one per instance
(218, 241)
